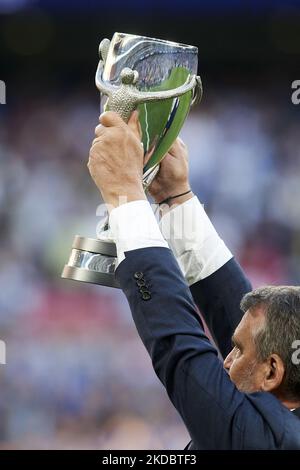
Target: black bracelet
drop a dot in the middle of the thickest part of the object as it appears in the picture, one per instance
(168, 199)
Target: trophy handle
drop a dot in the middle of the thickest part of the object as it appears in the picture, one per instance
(104, 87)
(125, 97)
(191, 83)
(103, 49)
(198, 91)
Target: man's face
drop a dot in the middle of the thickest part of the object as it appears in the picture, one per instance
(245, 371)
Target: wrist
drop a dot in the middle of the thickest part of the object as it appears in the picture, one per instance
(175, 202)
(115, 199)
(166, 192)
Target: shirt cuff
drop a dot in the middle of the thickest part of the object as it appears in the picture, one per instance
(194, 241)
(134, 226)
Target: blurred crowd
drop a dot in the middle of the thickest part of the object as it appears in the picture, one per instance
(77, 375)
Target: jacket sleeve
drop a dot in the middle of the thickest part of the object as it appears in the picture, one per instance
(215, 413)
(218, 298)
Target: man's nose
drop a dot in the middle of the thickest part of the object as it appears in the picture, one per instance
(228, 361)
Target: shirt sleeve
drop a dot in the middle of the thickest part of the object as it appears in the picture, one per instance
(194, 241)
(134, 226)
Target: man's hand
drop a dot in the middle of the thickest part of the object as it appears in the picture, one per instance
(116, 159)
(173, 176)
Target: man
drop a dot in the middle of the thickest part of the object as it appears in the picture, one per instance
(248, 402)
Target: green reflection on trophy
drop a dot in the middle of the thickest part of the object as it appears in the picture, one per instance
(158, 78)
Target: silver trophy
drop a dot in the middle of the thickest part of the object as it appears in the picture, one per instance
(159, 79)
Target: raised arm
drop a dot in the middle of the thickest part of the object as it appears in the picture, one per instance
(218, 297)
(216, 280)
(216, 414)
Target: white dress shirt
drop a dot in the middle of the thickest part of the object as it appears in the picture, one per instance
(186, 229)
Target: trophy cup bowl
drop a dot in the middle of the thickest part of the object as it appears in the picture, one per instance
(158, 78)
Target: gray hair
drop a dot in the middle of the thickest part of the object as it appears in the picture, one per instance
(282, 328)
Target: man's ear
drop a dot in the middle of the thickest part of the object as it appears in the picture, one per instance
(274, 373)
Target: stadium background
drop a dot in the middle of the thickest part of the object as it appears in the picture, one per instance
(77, 376)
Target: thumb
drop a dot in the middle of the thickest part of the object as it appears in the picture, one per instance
(135, 125)
(111, 119)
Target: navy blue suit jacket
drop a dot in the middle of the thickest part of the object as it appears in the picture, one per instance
(216, 414)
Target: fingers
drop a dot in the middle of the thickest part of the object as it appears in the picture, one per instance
(111, 119)
(178, 149)
(180, 141)
(108, 119)
(98, 130)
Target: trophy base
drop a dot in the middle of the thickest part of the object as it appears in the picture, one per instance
(93, 261)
